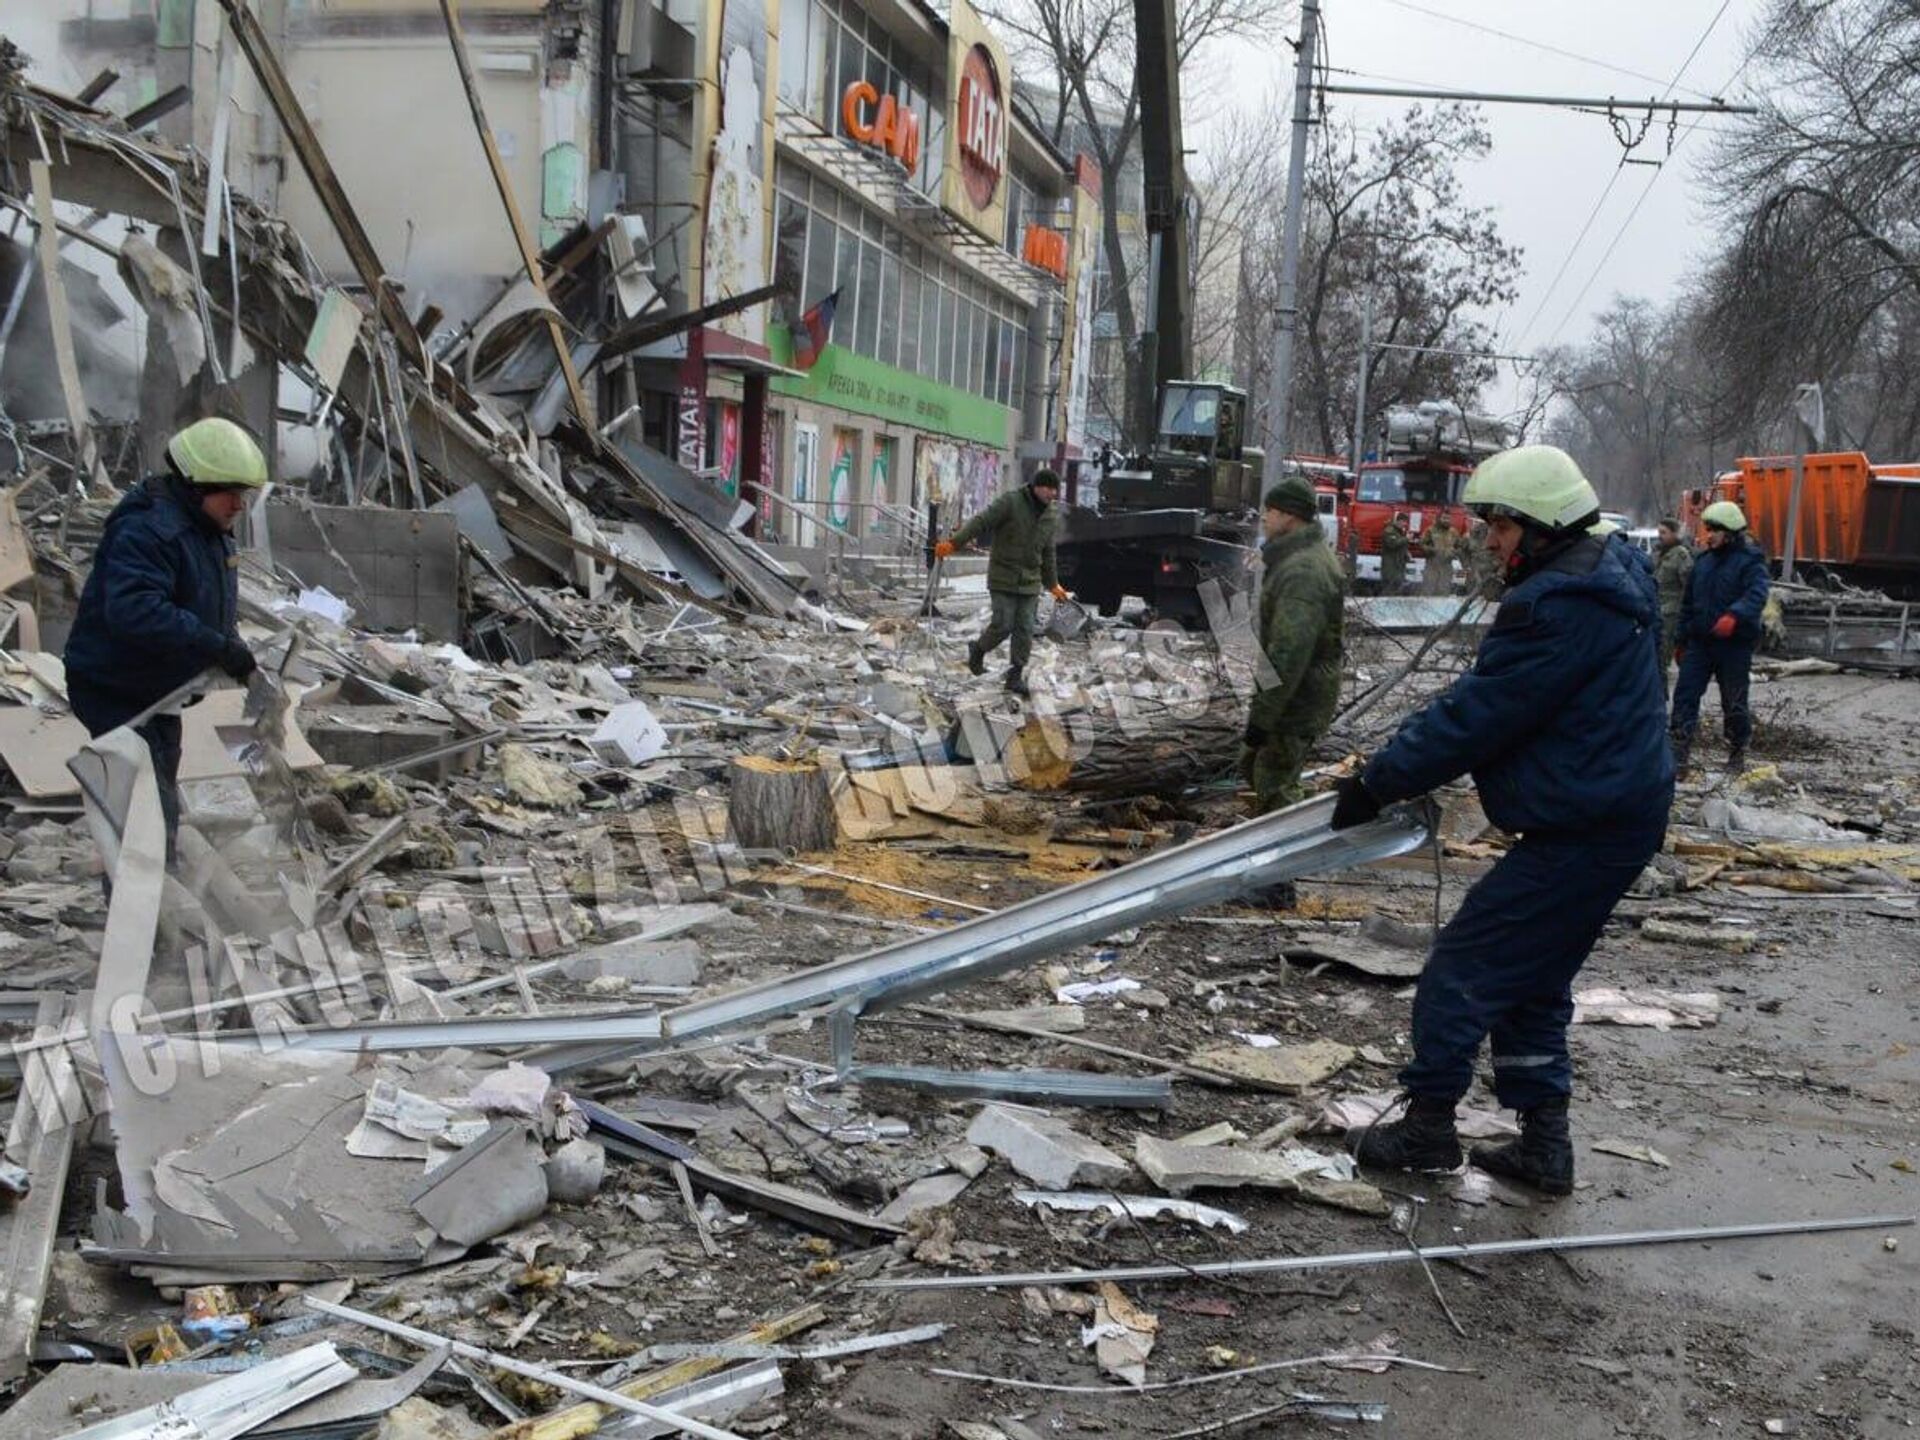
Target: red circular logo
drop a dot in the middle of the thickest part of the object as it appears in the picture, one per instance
(983, 128)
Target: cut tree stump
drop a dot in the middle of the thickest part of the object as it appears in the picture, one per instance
(780, 804)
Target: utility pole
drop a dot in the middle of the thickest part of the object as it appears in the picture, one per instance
(1360, 381)
(1809, 423)
(1287, 311)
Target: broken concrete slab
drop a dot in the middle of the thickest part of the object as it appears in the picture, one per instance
(640, 960)
(1051, 1154)
(930, 1192)
(1287, 1068)
(1381, 962)
(1655, 1009)
(1180, 1169)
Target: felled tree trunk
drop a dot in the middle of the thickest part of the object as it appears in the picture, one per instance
(1149, 752)
(780, 804)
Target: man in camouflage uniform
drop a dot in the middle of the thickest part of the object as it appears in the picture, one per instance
(1298, 626)
(1442, 542)
(1393, 556)
(1672, 564)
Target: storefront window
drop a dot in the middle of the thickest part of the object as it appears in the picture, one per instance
(976, 350)
(853, 57)
(846, 279)
(910, 288)
(793, 52)
(821, 31)
(867, 337)
(888, 348)
(819, 268)
(943, 339)
(992, 327)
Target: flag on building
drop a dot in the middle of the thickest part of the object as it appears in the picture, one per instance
(813, 331)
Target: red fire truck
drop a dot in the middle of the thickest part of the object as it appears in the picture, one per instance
(1429, 450)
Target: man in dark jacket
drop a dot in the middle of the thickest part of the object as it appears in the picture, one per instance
(1672, 564)
(1719, 626)
(1560, 723)
(161, 604)
(1023, 526)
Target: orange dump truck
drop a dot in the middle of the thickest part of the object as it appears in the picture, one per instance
(1858, 521)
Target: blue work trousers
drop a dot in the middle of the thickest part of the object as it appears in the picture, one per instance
(1504, 966)
(1729, 663)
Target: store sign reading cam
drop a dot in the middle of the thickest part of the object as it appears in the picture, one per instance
(882, 122)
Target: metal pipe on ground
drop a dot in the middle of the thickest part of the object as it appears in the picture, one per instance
(1360, 1258)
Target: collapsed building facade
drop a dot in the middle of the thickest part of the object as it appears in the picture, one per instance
(693, 179)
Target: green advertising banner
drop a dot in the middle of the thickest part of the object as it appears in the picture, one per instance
(853, 382)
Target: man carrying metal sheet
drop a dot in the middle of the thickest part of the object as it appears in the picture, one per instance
(1560, 722)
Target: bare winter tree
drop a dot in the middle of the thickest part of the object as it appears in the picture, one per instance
(1086, 47)
(1824, 275)
(1635, 405)
(1385, 220)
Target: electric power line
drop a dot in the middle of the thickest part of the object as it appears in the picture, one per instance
(1537, 45)
(1625, 224)
(1614, 179)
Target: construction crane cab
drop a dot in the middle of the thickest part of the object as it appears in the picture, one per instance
(1199, 459)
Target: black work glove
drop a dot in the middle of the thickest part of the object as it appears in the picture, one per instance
(1254, 737)
(236, 659)
(1355, 804)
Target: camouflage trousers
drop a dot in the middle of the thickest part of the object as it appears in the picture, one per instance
(1273, 769)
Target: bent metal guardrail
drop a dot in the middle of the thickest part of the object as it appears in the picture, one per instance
(1285, 845)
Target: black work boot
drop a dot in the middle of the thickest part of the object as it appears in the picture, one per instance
(1017, 683)
(1423, 1139)
(1543, 1155)
(1682, 751)
(976, 658)
(1737, 760)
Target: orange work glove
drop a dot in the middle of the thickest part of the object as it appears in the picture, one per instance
(943, 550)
(1060, 592)
(1723, 627)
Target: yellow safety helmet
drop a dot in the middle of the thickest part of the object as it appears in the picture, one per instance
(1724, 515)
(218, 453)
(1537, 483)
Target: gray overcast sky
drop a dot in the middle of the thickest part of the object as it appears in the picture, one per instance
(1548, 167)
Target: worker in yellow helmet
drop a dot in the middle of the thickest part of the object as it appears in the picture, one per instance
(1719, 628)
(161, 605)
(1561, 724)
